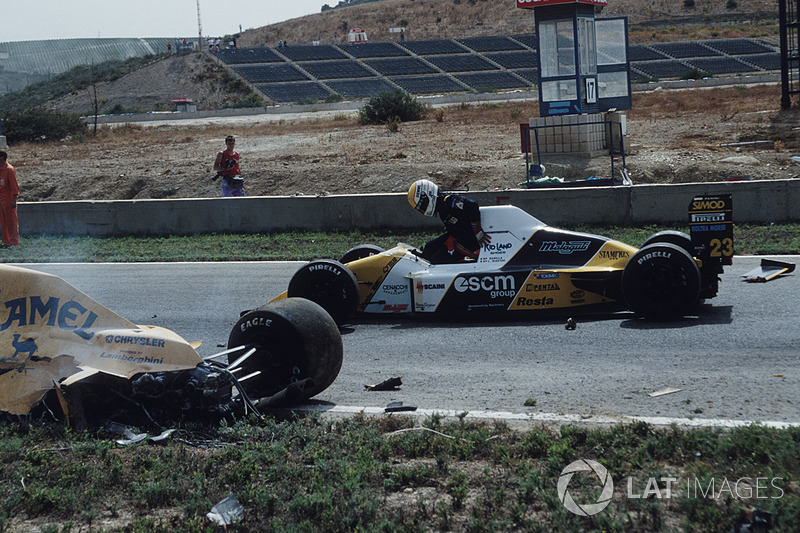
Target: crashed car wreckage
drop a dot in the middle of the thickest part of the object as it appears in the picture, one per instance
(69, 357)
(531, 267)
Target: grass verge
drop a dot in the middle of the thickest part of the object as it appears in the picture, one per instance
(750, 240)
(393, 474)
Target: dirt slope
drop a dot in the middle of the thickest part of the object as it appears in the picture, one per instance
(678, 136)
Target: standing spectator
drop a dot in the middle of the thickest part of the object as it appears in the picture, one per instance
(227, 166)
(169, 47)
(9, 191)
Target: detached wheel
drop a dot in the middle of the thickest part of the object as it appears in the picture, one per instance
(661, 281)
(330, 284)
(677, 238)
(360, 252)
(296, 342)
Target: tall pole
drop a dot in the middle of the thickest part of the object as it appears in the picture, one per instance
(199, 29)
(783, 26)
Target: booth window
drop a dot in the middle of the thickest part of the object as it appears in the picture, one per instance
(556, 90)
(586, 46)
(557, 47)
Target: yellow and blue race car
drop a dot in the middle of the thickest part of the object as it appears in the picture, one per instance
(530, 266)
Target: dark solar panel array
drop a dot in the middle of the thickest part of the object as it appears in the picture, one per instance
(363, 88)
(530, 74)
(491, 44)
(524, 59)
(312, 53)
(497, 63)
(398, 66)
(434, 46)
(642, 52)
(461, 63)
(685, 49)
(270, 73)
(770, 61)
(719, 65)
(662, 68)
(378, 49)
(737, 47)
(326, 70)
(292, 92)
(260, 54)
(528, 39)
(490, 80)
(439, 83)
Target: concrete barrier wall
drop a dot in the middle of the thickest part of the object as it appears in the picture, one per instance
(753, 201)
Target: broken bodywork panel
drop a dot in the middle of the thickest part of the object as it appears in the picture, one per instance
(55, 340)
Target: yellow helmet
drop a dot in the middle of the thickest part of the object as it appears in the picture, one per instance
(423, 195)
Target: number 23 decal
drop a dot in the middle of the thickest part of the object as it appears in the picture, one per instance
(720, 248)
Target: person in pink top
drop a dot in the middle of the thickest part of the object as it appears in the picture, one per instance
(9, 191)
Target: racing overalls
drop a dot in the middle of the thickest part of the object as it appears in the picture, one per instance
(9, 190)
(461, 216)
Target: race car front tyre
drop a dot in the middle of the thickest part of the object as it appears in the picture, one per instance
(298, 351)
(360, 252)
(330, 284)
(661, 281)
(673, 237)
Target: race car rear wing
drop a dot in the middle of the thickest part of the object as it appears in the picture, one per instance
(711, 228)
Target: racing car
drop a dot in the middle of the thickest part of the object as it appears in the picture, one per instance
(66, 355)
(530, 266)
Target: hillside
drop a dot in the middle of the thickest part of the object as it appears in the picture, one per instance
(678, 136)
(426, 19)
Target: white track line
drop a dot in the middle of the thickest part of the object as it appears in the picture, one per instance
(550, 417)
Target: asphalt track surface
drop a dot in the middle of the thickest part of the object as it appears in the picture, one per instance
(737, 361)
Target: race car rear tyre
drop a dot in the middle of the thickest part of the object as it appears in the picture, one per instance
(297, 343)
(661, 281)
(360, 252)
(330, 284)
(673, 237)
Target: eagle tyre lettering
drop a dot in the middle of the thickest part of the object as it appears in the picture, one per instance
(295, 339)
(661, 281)
(328, 283)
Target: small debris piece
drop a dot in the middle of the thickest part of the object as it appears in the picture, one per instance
(769, 269)
(226, 512)
(776, 375)
(570, 325)
(132, 439)
(662, 392)
(395, 407)
(389, 384)
(164, 436)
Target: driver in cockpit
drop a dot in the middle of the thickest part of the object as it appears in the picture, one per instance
(461, 216)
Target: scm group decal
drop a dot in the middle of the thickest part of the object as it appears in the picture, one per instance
(487, 290)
